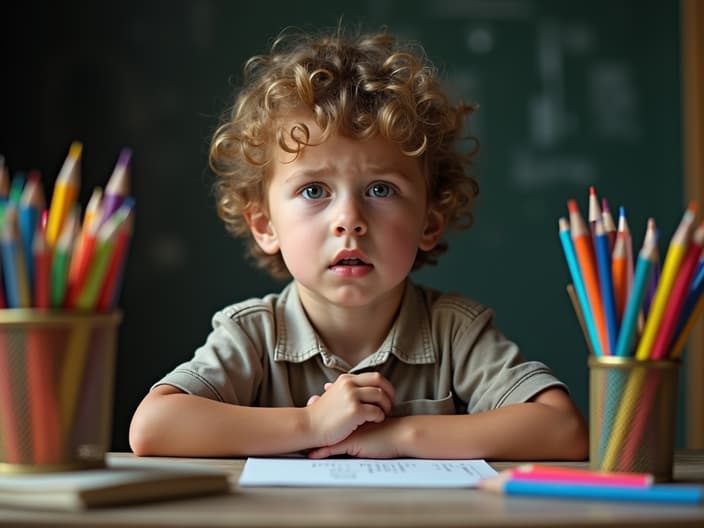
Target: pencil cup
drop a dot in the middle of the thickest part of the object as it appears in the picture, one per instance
(632, 411)
(56, 389)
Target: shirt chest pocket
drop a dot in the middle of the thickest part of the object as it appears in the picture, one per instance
(444, 405)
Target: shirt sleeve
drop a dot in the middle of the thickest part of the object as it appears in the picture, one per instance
(228, 367)
(490, 372)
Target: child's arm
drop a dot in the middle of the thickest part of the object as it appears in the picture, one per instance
(549, 427)
(169, 422)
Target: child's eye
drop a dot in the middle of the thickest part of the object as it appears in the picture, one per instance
(313, 191)
(380, 190)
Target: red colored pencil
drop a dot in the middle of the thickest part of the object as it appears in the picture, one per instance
(678, 294)
(111, 283)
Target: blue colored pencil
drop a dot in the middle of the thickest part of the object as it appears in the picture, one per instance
(13, 263)
(603, 261)
(29, 209)
(644, 269)
(671, 493)
(568, 249)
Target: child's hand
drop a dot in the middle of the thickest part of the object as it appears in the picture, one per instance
(371, 440)
(352, 400)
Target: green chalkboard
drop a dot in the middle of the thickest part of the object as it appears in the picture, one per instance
(571, 94)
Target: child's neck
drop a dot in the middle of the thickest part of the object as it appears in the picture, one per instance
(352, 333)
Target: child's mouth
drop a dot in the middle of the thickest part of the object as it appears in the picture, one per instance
(350, 262)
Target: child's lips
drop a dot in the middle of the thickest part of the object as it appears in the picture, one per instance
(350, 263)
(360, 269)
(350, 257)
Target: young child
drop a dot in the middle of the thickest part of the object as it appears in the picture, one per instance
(339, 162)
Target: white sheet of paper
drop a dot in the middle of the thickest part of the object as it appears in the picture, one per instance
(359, 472)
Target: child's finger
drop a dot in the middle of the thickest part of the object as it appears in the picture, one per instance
(375, 379)
(377, 397)
(312, 400)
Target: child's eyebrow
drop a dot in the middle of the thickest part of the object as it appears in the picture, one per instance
(322, 172)
(308, 174)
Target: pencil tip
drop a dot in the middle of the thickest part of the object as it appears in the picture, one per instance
(75, 150)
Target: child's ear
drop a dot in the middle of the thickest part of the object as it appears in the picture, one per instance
(262, 230)
(435, 223)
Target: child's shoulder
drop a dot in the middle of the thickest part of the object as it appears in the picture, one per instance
(442, 303)
(254, 307)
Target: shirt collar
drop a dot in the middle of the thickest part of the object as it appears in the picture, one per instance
(409, 338)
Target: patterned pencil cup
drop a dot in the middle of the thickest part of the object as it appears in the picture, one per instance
(632, 412)
(56, 389)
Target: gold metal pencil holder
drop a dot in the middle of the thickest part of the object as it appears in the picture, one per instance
(632, 412)
(56, 389)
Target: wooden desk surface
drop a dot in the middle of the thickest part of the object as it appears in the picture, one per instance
(369, 507)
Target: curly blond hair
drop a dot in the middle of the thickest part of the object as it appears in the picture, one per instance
(360, 87)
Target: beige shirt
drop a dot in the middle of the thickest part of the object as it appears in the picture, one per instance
(442, 355)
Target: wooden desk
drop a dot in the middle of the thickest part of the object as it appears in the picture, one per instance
(309, 507)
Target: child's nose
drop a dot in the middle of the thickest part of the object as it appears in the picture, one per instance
(349, 219)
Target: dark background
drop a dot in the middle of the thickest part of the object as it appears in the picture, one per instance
(571, 94)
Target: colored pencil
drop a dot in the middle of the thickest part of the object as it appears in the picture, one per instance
(619, 272)
(667, 493)
(540, 472)
(654, 280)
(81, 261)
(61, 258)
(603, 260)
(678, 295)
(583, 301)
(608, 221)
(580, 317)
(594, 209)
(584, 251)
(65, 193)
(675, 253)
(687, 326)
(16, 188)
(41, 256)
(117, 187)
(110, 289)
(106, 238)
(31, 204)
(691, 303)
(13, 260)
(93, 209)
(625, 231)
(629, 324)
(91, 218)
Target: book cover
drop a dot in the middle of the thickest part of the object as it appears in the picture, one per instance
(121, 482)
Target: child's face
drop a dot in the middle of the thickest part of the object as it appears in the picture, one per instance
(348, 217)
